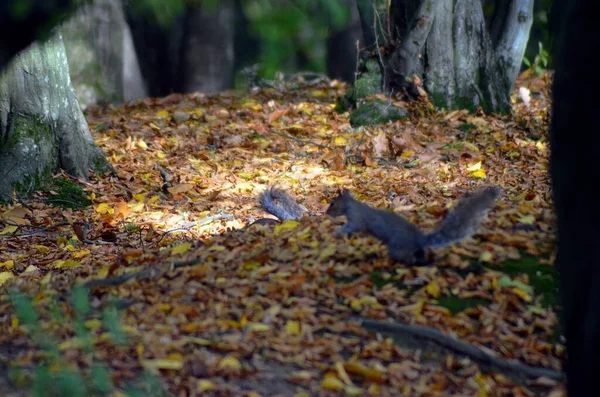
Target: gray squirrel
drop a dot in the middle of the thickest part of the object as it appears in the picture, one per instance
(405, 241)
(280, 203)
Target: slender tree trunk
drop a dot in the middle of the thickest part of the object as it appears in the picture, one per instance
(207, 51)
(343, 46)
(575, 172)
(42, 127)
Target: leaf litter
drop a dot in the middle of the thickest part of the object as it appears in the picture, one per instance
(215, 309)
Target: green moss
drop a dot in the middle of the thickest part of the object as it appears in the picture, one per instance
(376, 112)
(466, 127)
(68, 194)
(541, 277)
(457, 305)
(27, 126)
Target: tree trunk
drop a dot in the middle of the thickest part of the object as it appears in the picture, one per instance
(342, 48)
(575, 171)
(447, 45)
(102, 60)
(207, 51)
(194, 53)
(23, 22)
(42, 127)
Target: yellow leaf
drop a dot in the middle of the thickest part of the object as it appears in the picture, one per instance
(153, 365)
(327, 252)
(230, 362)
(141, 144)
(73, 343)
(251, 265)
(474, 167)
(81, 254)
(93, 323)
(8, 265)
(293, 327)
(486, 256)
(340, 141)
(480, 174)
(259, 327)
(69, 263)
(331, 382)
(42, 248)
(46, 279)
(4, 276)
(162, 113)
(342, 373)
(522, 294)
(154, 126)
(139, 196)
(318, 93)
(353, 391)
(104, 208)
(286, 225)
(181, 248)
(217, 248)
(204, 385)
(527, 219)
(31, 268)
(9, 229)
(182, 188)
(253, 394)
(433, 289)
(372, 375)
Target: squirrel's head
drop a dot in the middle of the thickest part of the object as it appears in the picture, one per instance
(338, 206)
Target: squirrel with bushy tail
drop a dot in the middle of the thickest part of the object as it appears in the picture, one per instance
(406, 243)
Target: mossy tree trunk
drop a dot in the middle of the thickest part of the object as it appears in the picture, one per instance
(446, 43)
(42, 128)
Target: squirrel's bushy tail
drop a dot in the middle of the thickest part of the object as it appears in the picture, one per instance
(280, 203)
(464, 217)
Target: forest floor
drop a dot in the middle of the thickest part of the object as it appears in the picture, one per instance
(177, 302)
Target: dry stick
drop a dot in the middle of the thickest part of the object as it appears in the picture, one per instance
(460, 347)
(300, 140)
(201, 222)
(114, 281)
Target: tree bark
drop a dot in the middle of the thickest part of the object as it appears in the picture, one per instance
(42, 127)
(342, 48)
(447, 45)
(575, 171)
(511, 41)
(207, 51)
(102, 60)
(20, 26)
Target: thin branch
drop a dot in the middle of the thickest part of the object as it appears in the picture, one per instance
(298, 140)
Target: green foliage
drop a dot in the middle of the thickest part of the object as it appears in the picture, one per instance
(540, 62)
(293, 31)
(162, 12)
(53, 375)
